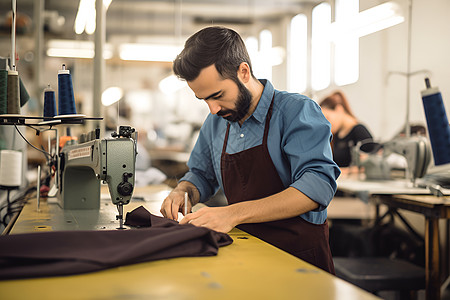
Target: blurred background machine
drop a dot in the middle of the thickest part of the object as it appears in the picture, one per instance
(411, 155)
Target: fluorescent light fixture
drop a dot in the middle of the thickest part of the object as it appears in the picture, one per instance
(82, 15)
(171, 84)
(89, 27)
(369, 21)
(73, 53)
(111, 95)
(75, 49)
(85, 19)
(149, 52)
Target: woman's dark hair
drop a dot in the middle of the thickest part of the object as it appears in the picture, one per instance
(216, 45)
(334, 99)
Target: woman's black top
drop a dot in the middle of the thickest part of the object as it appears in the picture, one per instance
(342, 146)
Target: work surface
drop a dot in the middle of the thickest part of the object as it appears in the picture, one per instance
(247, 269)
(364, 189)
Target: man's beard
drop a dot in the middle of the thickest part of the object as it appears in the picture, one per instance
(242, 105)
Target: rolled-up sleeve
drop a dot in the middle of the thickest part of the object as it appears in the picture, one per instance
(307, 147)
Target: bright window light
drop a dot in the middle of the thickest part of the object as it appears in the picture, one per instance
(147, 52)
(266, 58)
(171, 84)
(252, 47)
(111, 95)
(264, 67)
(346, 48)
(297, 54)
(320, 46)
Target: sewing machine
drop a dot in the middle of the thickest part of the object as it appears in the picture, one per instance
(82, 165)
(415, 149)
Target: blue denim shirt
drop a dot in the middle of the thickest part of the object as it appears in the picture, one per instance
(299, 145)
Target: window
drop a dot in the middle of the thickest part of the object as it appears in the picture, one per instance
(346, 45)
(265, 49)
(297, 54)
(350, 24)
(320, 47)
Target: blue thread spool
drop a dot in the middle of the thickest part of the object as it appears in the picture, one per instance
(437, 123)
(49, 103)
(66, 100)
(3, 91)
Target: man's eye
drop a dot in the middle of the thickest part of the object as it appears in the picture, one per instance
(217, 97)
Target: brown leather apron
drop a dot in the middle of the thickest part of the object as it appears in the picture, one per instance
(250, 175)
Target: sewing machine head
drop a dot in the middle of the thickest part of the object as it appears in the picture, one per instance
(82, 166)
(415, 149)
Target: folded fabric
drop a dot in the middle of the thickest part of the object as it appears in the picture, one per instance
(59, 253)
(138, 217)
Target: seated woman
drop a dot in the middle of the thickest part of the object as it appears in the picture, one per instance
(347, 130)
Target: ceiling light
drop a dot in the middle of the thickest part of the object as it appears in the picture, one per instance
(171, 84)
(369, 21)
(85, 19)
(75, 49)
(111, 95)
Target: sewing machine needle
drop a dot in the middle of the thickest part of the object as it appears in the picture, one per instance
(120, 216)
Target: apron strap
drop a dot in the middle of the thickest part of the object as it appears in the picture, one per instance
(268, 117)
(225, 142)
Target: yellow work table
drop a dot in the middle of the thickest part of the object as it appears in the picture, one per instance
(247, 269)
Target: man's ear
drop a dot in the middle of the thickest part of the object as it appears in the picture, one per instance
(243, 72)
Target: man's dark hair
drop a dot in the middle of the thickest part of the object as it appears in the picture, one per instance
(216, 45)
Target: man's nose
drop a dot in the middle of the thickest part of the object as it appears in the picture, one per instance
(214, 108)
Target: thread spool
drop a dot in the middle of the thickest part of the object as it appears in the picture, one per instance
(437, 123)
(66, 100)
(3, 91)
(24, 96)
(49, 103)
(13, 93)
(10, 168)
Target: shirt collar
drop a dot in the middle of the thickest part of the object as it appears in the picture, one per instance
(264, 102)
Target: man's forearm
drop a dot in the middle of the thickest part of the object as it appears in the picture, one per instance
(286, 204)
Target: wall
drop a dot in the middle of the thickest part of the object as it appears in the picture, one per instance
(379, 98)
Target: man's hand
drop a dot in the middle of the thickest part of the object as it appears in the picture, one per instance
(174, 203)
(220, 219)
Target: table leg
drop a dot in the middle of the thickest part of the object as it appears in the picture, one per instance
(433, 278)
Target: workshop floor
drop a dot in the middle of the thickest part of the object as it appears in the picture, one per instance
(388, 295)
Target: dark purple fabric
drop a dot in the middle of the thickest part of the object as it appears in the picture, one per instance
(59, 253)
(138, 217)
